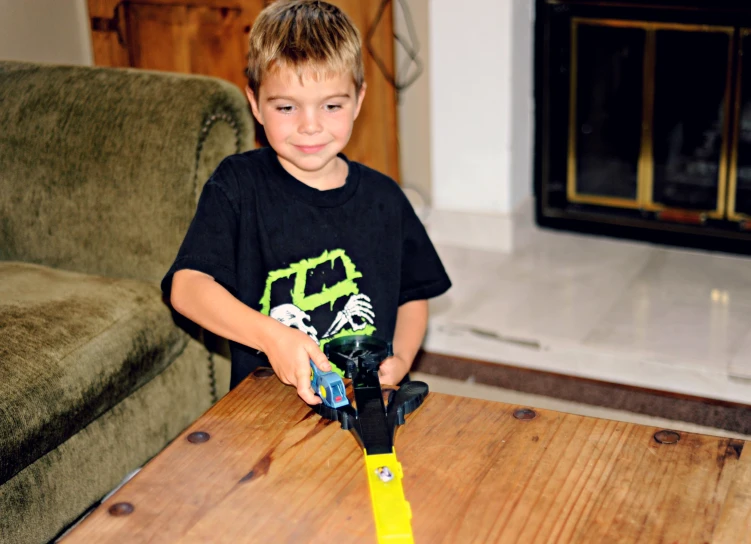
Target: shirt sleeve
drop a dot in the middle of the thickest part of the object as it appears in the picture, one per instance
(210, 243)
(423, 275)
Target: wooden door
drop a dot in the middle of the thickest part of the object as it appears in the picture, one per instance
(210, 37)
(375, 137)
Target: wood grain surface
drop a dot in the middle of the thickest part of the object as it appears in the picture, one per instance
(735, 520)
(210, 37)
(273, 471)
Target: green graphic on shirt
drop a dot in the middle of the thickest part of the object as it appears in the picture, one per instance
(293, 311)
(300, 270)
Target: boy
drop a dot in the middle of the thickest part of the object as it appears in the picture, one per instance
(293, 245)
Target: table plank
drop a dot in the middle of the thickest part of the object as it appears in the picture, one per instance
(274, 471)
(734, 526)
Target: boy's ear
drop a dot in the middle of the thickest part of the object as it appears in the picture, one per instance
(253, 104)
(360, 97)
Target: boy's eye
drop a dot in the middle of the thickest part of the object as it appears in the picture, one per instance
(333, 107)
(284, 109)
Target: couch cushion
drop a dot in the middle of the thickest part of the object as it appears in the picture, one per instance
(71, 347)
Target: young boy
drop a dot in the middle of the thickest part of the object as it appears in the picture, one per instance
(293, 245)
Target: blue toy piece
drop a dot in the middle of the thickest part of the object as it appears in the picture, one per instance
(329, 386)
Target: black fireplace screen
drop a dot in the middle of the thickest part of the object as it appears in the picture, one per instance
(643, 121)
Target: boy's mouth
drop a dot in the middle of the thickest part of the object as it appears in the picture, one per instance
(310, 148)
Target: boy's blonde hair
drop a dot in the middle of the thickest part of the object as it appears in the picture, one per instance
(309, 36)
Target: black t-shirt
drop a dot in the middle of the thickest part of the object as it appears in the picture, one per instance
(329, 263)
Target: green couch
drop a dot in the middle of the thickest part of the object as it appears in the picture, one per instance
(100, 170)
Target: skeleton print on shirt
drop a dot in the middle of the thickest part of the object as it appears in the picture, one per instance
(320, 297)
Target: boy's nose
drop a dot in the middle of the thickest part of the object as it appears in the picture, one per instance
(310, 123)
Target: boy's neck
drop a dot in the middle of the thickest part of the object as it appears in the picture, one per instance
(332, 177)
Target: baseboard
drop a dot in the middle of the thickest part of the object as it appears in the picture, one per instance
(700, 411)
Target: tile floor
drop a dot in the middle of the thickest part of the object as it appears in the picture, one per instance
(613, 310)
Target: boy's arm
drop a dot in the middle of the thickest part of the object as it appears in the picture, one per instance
(204, 301)
(411, 324)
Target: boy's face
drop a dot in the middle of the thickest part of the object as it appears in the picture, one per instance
(307, 122)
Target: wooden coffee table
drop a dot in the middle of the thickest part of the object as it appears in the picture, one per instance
(260, 466)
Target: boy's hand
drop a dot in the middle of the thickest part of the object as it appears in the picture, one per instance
(290, 351)
(393, 370)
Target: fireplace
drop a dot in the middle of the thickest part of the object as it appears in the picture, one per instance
(643, 120)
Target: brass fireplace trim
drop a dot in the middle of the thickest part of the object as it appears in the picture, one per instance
(687, 7)
(645, 168)
(571, 192)
(733, 171)
(645, 177)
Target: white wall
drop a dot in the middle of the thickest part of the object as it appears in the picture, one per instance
(470, 54)
(54, 31)
(481, 103)
(481, 115)
(522, 101)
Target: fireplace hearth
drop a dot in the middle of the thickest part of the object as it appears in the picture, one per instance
(643, 120)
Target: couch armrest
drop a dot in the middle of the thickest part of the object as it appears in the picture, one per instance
(101, 167)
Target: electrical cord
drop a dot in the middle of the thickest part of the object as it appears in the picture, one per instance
(405, 77)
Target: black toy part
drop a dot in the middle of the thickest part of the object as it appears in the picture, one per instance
(373, 423)
(404, 401)
(348, 353)
(345, 415)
